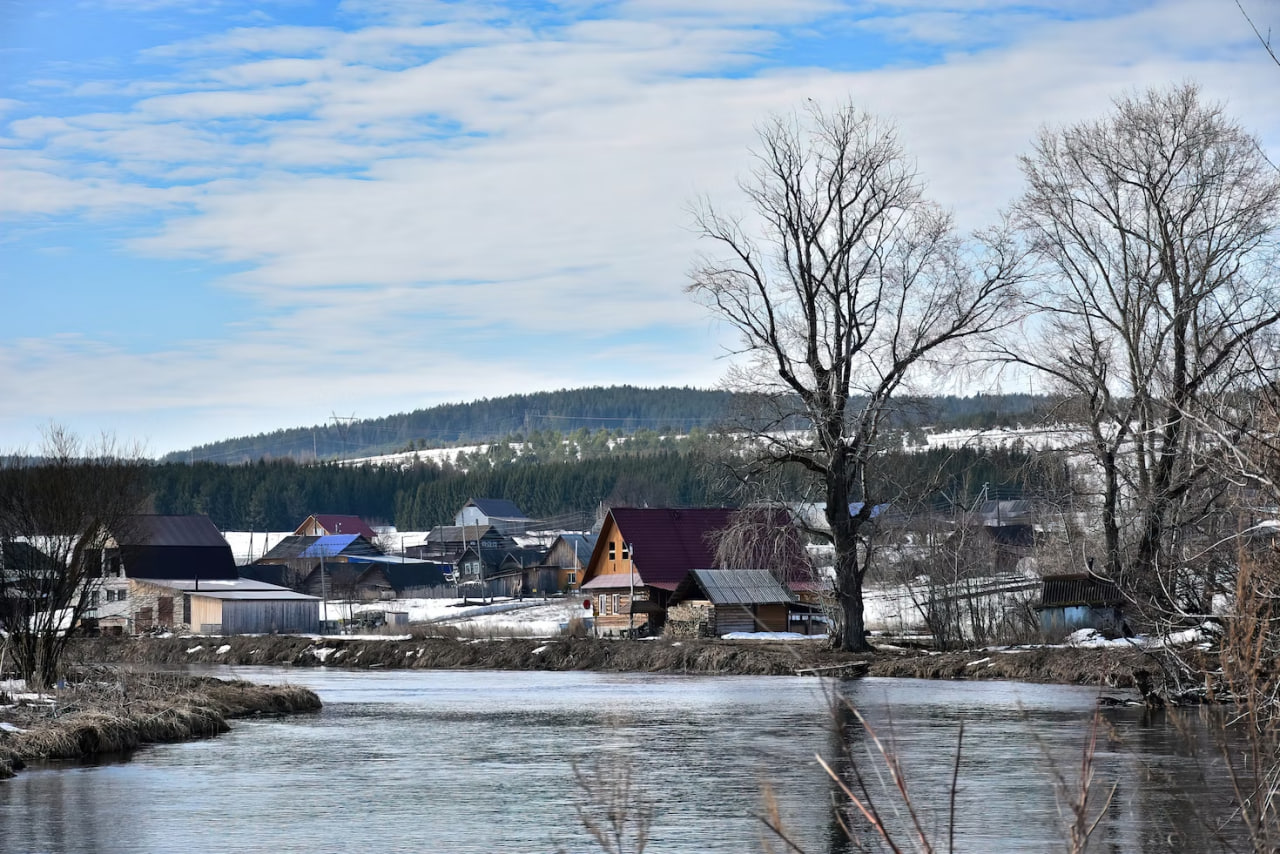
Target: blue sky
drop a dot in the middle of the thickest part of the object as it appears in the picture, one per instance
(220, 218)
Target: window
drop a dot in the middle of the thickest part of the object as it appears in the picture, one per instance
(122, 595)
(572, 578)
(604, 606)
(111, 596)
(626, 551)
(93, 599)
(617, 603)
(613, 554)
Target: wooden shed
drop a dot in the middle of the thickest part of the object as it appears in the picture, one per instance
(733, 600)
(1080, 601)
(222, 607)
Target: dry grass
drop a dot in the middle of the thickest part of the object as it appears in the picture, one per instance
(106, 712)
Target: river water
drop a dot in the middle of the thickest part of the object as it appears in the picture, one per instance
(467, 761)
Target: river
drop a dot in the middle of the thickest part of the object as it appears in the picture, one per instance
(467, 761)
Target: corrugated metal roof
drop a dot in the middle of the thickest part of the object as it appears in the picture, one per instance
(339, 544)
(734, 587)
(239, 588)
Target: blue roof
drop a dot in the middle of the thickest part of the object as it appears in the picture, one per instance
(327, 546)
(856, 507)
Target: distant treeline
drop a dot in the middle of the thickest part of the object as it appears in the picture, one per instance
(617, 409)
(277, 495)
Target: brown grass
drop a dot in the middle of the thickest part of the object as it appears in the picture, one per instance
(108, 712)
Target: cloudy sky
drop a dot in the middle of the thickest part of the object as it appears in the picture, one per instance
(222, 217)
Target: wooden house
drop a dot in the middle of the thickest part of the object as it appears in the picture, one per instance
(567, 560)
(714, 602)
(641, 555)
(332, 524)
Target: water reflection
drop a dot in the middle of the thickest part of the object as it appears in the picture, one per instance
(482, 762)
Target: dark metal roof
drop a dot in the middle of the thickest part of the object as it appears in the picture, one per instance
(171, 531)
(667, 543)
(732, 587)
(1060, 591)
(175, 547)
(496, 508)
(288, 548)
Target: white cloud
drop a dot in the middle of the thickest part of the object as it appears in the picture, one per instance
(458, 201)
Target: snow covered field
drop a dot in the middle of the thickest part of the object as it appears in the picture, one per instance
(503, 618)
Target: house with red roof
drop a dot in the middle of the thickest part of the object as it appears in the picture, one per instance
(640, 558)
(333, 524)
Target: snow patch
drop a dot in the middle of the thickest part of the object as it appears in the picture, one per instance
(196, 648)
(224, 649)
(771, 636)
(324, 652)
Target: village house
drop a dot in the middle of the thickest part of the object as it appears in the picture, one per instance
(496, 513)
(566, 561)
(174, 573)
(329, 524)
(640, 557)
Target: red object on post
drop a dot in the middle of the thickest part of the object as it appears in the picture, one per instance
(586, 603)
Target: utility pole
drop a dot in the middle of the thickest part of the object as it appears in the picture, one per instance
(631, 602)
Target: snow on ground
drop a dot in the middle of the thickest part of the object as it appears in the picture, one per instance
(248, 546)
(505, 617)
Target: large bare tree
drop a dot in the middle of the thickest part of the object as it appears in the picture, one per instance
(58, 511)
(844, 284)
(1155, 234)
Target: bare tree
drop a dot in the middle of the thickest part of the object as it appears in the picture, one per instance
(1155, 233)
(855, 285)
(57, 513)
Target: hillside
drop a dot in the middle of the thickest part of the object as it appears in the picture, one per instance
(618, 409)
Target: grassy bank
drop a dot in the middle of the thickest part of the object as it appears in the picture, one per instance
(105, 711)
(1102, 667)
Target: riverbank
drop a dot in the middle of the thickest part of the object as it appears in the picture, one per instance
(1109, 667)
(108, 711)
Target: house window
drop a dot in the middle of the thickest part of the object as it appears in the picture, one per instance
(613, 553)
(572, 578)
(122, 595)
(111, 596)
(93, 599)
(626, 553)
(617, 603)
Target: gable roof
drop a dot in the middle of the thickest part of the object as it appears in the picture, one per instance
(156, 530)
(666, 543)
(339, 544)
(732, 587)
(289, 547)
(496, 508)
(336, 523)
(175, 547)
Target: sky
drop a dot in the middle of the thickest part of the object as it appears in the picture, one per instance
(219, 218)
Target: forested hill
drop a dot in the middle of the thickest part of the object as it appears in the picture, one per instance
(618, 409)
